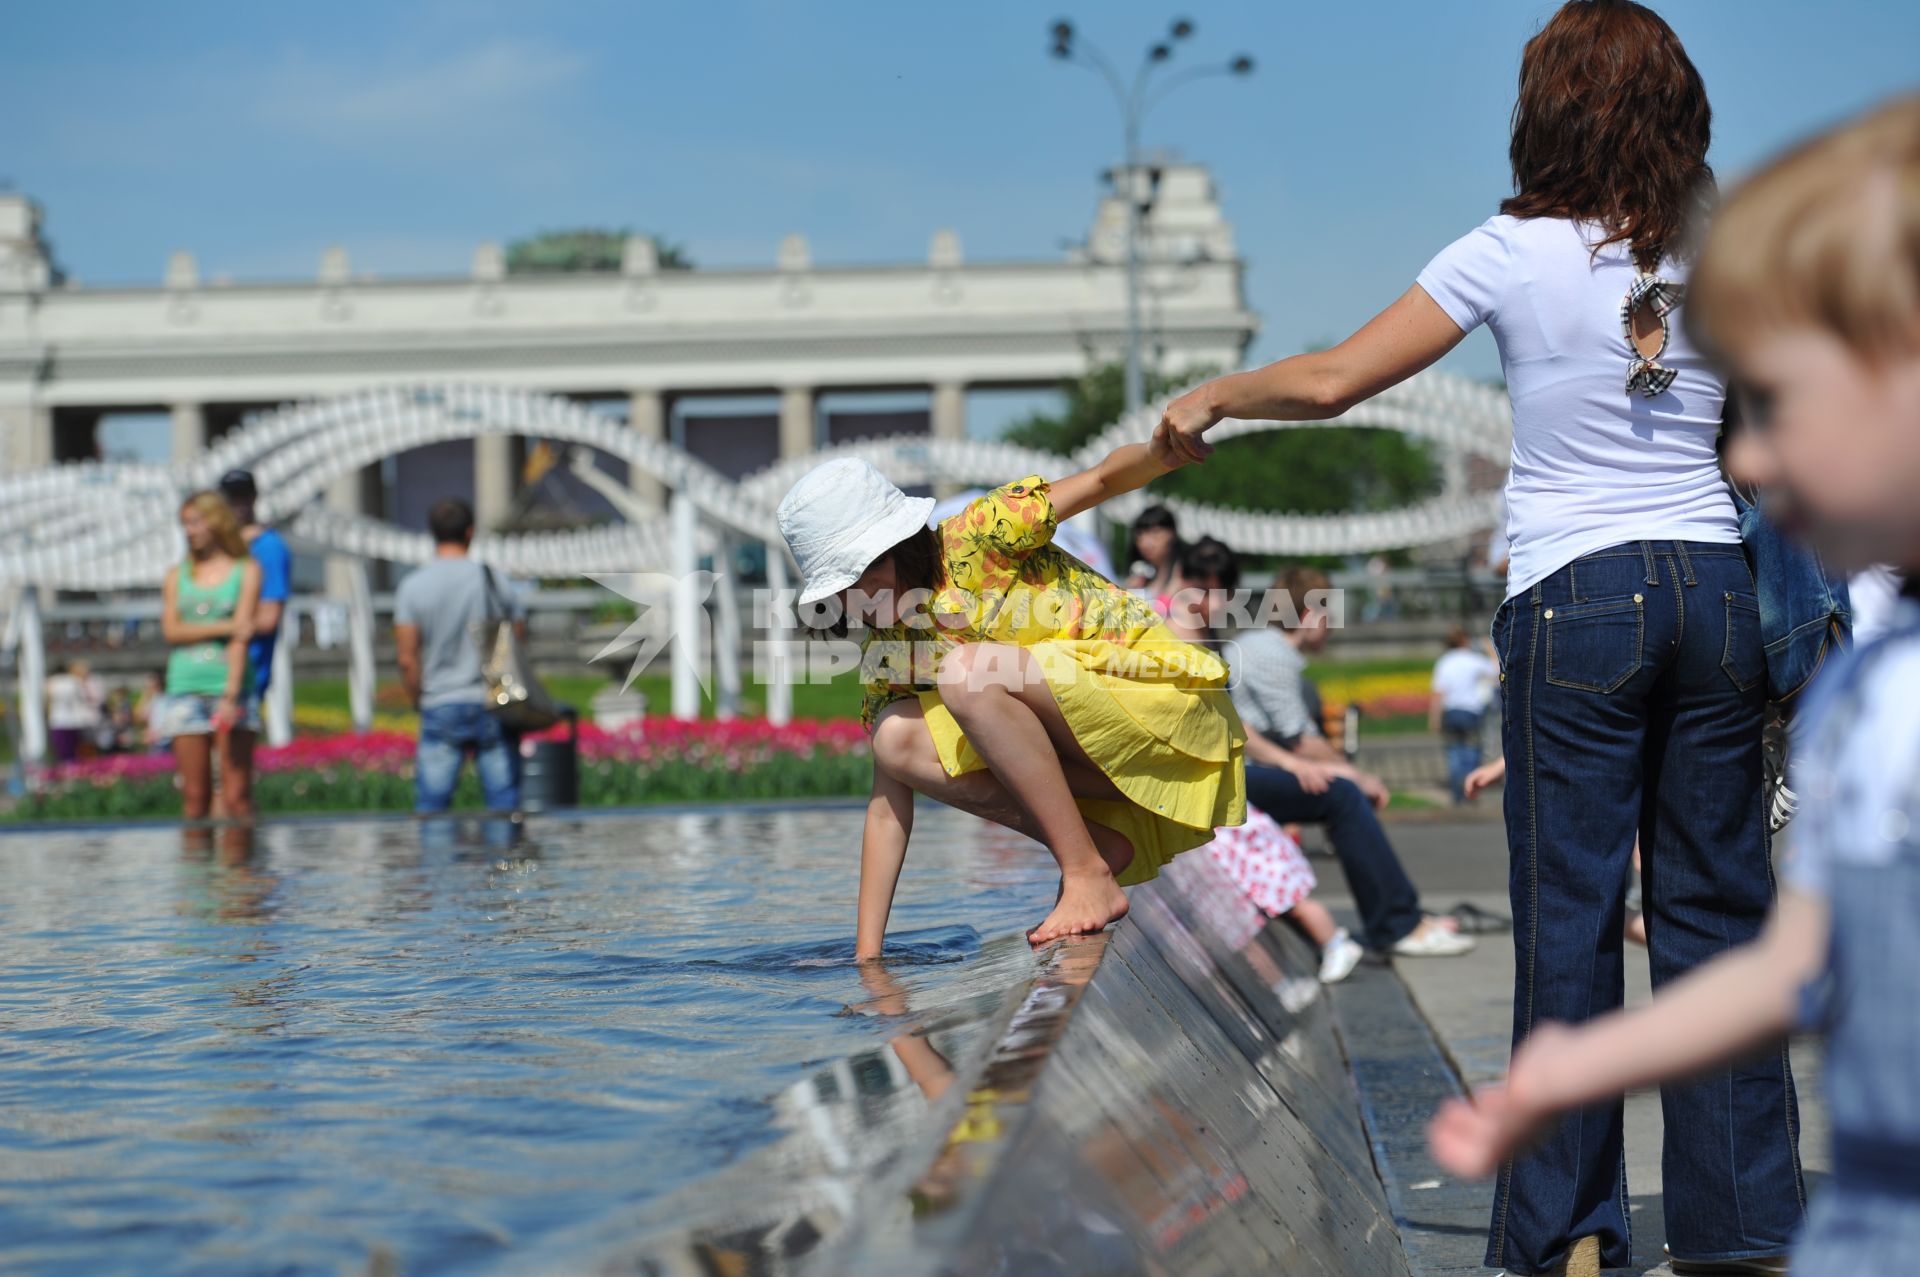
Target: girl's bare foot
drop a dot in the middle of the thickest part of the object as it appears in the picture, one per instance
(1088, 903)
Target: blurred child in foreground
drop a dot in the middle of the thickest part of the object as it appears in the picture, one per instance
(1809, 290)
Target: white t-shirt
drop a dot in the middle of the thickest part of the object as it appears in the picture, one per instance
(70, 703)
(1593, 464)
(1873, 594)
(1464, 679)
(1856, 760)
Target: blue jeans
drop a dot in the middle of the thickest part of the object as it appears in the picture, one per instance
(1383, 895)
(1460, 729)
(447, 733)
(1633, 686)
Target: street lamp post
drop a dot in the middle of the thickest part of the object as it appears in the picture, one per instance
(1135, 102)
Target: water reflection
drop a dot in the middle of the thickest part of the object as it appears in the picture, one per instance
(473, 1043)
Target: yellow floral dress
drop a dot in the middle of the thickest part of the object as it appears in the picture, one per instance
(1150, 709)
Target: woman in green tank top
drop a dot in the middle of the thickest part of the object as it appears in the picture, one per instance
(207, 617)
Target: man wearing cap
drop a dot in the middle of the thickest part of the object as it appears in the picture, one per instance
(269, 550)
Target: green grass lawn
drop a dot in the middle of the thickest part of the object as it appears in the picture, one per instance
(1324, 668)
(838, 699)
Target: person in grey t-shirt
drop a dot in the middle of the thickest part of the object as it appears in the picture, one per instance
(437, 611)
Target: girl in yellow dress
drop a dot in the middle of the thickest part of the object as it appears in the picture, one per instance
(1006, 678)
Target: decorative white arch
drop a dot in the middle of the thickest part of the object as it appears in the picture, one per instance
(104, 526)
(110, 526)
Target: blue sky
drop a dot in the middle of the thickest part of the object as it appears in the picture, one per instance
(1371, 135)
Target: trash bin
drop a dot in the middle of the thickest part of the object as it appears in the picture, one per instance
(550, 769)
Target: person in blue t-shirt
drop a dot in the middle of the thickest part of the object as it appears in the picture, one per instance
(269, 550)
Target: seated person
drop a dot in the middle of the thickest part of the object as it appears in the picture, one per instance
(1287, 783)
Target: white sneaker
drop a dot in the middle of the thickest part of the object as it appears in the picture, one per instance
(1340, 957)
(1430, 941)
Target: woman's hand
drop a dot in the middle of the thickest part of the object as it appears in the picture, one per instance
(1181, 433)
(226, 713)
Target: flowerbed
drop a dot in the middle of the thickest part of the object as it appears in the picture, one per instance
(660, 760)
(1399, 695)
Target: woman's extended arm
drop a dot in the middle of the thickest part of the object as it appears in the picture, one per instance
(883, 849)
(1395, 344)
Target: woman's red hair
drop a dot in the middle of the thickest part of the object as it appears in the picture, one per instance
(1611, 126)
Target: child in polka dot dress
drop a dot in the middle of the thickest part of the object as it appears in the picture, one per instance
(1268, 866)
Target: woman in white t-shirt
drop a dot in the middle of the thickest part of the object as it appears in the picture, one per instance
(1632, 670)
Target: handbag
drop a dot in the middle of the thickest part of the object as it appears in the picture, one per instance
(515, 694)
(1805, 611)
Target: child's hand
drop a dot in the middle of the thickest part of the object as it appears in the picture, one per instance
(1484, 775)
(1183, 427)
(1160, 449)
(1471, 1138)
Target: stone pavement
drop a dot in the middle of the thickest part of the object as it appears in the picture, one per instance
(1464, 1006)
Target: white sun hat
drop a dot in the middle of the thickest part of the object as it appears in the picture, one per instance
(842, 516)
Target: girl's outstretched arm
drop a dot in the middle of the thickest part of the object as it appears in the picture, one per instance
(1126, 468)
(1725, 1009)
(883, 849)
(1321, 384)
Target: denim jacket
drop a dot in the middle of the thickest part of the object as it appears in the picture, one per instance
(1802, 608)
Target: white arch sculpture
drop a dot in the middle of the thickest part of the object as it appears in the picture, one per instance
(107, 526)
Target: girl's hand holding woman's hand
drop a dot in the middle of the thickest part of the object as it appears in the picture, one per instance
(1183, 426)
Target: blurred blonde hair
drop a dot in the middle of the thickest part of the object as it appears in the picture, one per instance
(219, 517)
(1828, 237)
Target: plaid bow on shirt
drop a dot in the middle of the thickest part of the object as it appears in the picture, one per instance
(1644, 373)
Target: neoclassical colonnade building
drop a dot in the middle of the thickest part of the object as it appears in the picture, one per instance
(741, 367)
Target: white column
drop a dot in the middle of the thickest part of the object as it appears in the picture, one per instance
(189, 433)
(32, 659)
(344, 496)
(727, 636)
(796, 422)
(492, 481)
(362, 677)
(26, 437)
(949, 410)
(280, 681)
(949, 422)
(779, 669)
(688, 615)
(647, 417)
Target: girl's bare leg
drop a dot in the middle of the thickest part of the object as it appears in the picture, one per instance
(997, 695)
(193, 755)
(903, 748)
(1314, 920)
(236, 775)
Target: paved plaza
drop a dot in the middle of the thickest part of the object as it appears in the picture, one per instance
(1464, 1006)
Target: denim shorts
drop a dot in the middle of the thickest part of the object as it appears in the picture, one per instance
(191, 714)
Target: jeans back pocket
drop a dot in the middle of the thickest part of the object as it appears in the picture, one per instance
(1743, 657)
(1594, 646)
